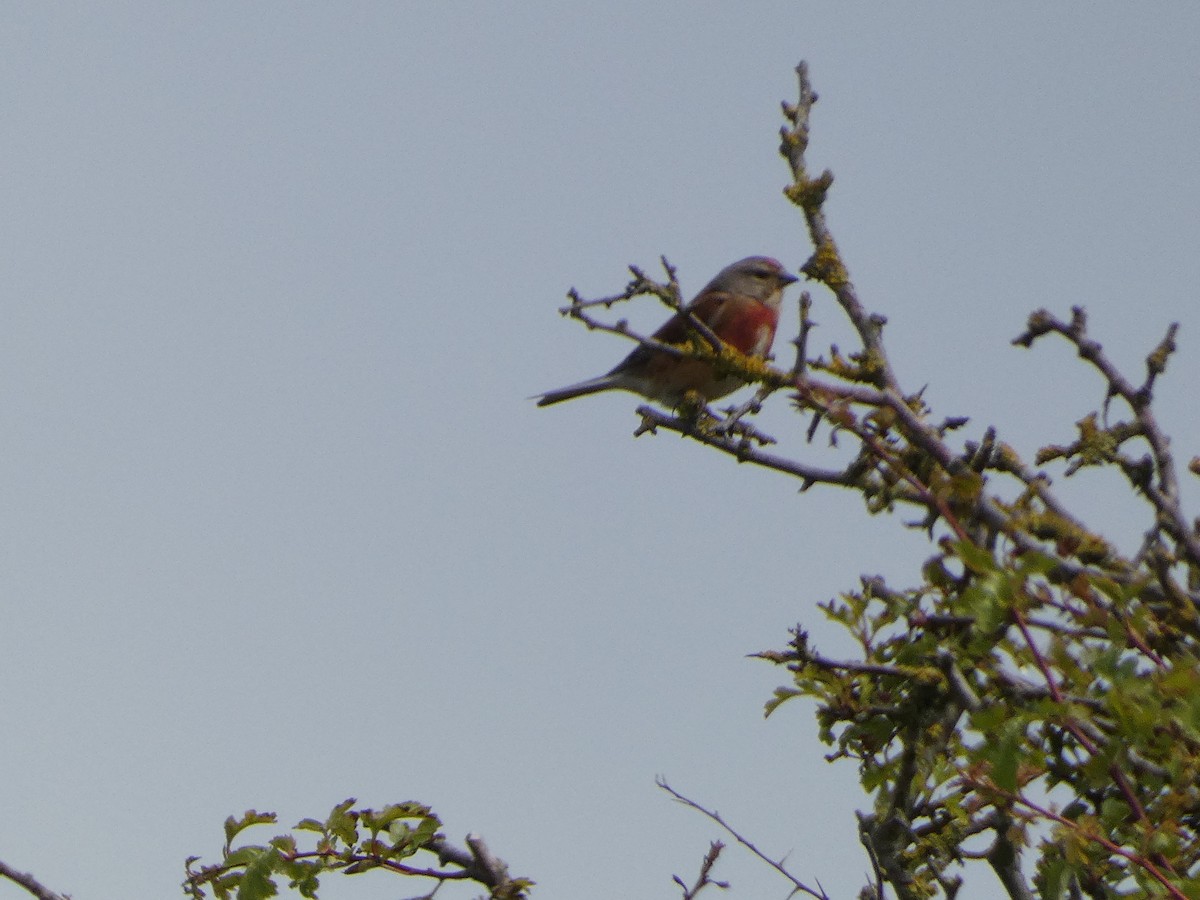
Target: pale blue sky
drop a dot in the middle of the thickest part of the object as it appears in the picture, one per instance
(280, 525)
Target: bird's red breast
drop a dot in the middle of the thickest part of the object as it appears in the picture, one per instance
(746, 324)
(743, 323)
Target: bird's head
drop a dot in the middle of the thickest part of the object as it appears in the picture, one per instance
(759, 277)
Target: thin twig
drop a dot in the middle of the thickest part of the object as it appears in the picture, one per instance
(777, 866)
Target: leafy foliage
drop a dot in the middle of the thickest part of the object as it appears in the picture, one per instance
(350, 841)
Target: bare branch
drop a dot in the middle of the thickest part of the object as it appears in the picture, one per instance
(825, 264)
(653, 418)
(29, 883)
(774, 864)
(476, 860)
(704, 879)
(1005, 859)
(1164, 492)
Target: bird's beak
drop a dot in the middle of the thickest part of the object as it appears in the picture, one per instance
(788, 278)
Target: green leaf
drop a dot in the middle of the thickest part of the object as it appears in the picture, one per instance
(243, 856)
(395, 811)
(427, 829)
(782, 696)
(251, 817)
(1002, 750)
(1074, 809)
(257, 883)
(373, 847)
(1113, 812)
(1164, 842)
(1053, 877)
(977, 559)
(414, 836)
(986, 601)
(343, 823)
(226, 886)
(307, 883)
(1032, 564)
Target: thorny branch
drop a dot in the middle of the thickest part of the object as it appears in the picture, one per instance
(777, 865)
(1162, 490)
(704, 879)
(825, 264)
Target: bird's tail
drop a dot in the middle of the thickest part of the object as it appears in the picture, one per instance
(591, 386)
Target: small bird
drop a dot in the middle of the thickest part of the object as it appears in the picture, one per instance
(740, 306)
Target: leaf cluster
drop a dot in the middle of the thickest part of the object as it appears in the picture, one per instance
(349, 841)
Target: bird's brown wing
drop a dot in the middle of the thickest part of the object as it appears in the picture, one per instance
(710, 308)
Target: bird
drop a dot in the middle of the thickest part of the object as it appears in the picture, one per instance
(740, 306)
